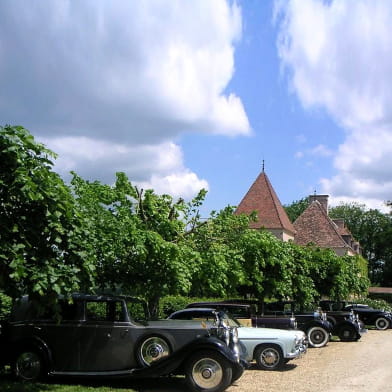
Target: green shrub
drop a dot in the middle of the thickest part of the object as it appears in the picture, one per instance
(382, 296)
(375, 303)
(5, 306)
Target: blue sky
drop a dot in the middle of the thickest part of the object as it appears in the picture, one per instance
(189, 94)
(281, 127)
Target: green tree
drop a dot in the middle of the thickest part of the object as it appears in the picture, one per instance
(137, 238)
(218, 270)
(296, 208)
(41, 251)
(373, 230)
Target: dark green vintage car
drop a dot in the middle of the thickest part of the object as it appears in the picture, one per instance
(97, 336)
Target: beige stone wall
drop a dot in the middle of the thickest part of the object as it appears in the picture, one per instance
(281, 234)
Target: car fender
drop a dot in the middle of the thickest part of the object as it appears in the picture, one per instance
(175, 361)
(319, 323)
(346, 323)
(33, 342)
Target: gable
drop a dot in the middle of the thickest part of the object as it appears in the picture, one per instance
(314, 226)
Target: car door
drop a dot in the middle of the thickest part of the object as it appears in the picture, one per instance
(107, 343)
(61, 336)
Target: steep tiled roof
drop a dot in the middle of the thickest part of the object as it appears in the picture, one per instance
(262, 198)
(342, 228)
(315, 226)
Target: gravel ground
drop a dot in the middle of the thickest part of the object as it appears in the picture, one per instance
(339, 367)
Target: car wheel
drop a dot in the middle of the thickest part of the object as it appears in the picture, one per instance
(28, 366)
(237, 373)
(317, 337)
(207, 371)
(381, 323)
(347, 334)
(151, 349)
(269, 357)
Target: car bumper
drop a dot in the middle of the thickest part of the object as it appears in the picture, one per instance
(298, 353)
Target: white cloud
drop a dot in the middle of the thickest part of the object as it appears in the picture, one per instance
(110, 85)
(134, 71)
(321, 150)
(159, 167)
(337, 55)
(180, 184)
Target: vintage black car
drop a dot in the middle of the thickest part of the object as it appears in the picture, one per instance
(97, 336)
(280, 315)
(247, 314)
(317, 328)
(379, 318)
(347, 328)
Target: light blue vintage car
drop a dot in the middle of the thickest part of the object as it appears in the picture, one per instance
(270, 348)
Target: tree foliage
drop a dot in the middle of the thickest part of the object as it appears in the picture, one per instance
(56, 239)
(296, 208)
(136, 238)
(40, 231)
(373, 230)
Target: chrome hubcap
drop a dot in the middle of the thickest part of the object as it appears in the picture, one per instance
(381, 324)
(153, 349)
(207, 373)
(270, 357)
(317, 337)
(28, 366)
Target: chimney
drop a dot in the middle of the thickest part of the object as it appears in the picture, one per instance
(322, 199)
(339, 222)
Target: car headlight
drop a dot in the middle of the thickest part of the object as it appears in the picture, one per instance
(234, 335)
(226, 336)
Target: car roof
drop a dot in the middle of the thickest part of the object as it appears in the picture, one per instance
(220, 304)
(196, 311)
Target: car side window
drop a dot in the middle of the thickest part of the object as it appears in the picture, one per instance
(104, 311)
(136, 311)
(68, 311)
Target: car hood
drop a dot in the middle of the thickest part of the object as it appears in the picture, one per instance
(268, 333)
(166, 323)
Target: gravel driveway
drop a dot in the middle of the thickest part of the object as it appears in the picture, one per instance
(360, 366)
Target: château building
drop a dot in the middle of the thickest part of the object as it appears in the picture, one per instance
(313, 226)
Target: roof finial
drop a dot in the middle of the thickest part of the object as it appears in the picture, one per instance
(263, 165)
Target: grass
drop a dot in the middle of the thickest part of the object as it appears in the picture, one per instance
(164, 384)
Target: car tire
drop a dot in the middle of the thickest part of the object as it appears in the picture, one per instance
(208, 371)
(317, 337)
(237, 373)
(381, 323)
(151, 349)
(269, 357)
(347, 334)
(28, 365)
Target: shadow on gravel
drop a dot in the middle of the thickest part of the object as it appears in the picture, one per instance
(285, 368)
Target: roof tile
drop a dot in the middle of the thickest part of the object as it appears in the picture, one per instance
(262, 198)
